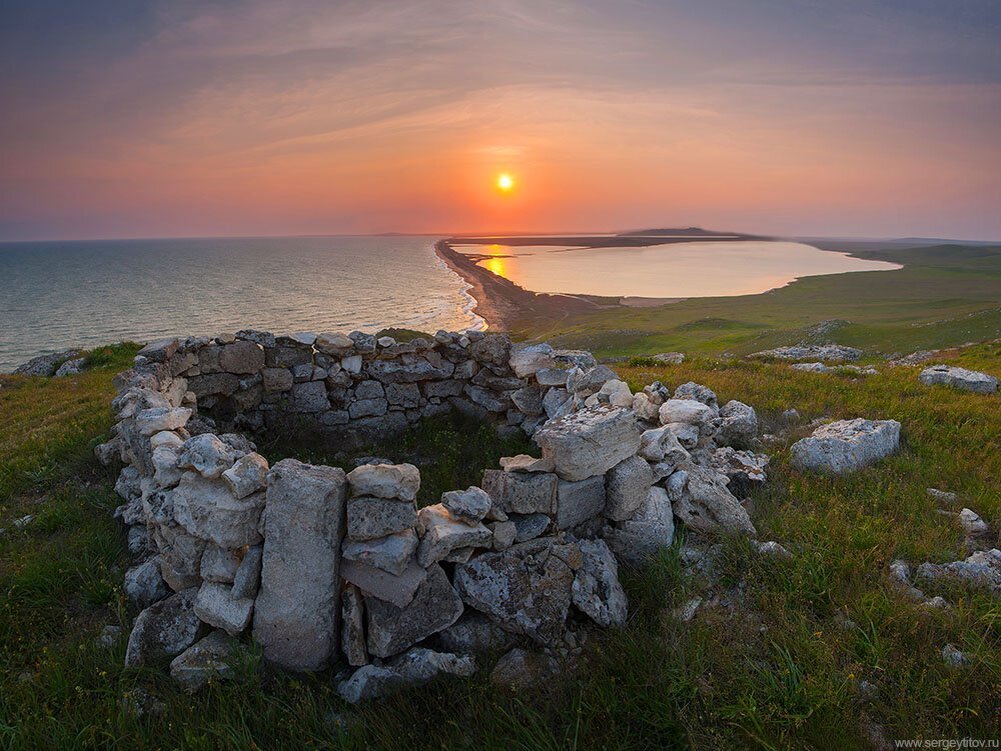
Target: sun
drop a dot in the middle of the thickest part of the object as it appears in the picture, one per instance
(505, 182)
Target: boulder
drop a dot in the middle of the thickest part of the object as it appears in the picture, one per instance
(45, 365)
(688, 412)
(960, 378)
(396, 589)
(241, 357)
(474, 633)
(207, 660)
(155, 419)
(219, 565)
(738, 424)
(164, 629)
(709, 506)
(207, 455)
(589, 442)
(248, 475)
(391, 553)
(520, 492)
(743, 468)
(216, 606)
(627, 485)
(415, 668)
(650, 529)
(576, 502)
(71, 367)
(209, 511)
(981, 570)
(697, 392)
(528, 359)
(297, 607)
(144, 585)
(469, 505)
(846, 445)
(527, 589)
(385, 481)
(371, 518)
(442, 533)
(392, 629)
(529, 526)
(597, 591)
(353, 627)
(662, 445)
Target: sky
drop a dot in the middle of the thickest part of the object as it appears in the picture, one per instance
(147, 118)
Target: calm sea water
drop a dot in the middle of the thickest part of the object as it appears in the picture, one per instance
(689, 269)
(57, 295)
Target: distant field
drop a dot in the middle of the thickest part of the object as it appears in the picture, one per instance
(945, 295)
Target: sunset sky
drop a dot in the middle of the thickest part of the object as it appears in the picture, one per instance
(245, 117)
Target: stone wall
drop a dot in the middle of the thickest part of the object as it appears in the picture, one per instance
(322, 567)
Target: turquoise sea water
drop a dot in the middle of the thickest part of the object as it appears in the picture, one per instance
(58, 295)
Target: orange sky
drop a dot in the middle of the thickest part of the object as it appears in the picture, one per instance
(310, 117)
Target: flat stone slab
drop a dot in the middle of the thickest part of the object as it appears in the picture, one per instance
(589, 442)
(298, 607)
(960, 378)
(846, 445)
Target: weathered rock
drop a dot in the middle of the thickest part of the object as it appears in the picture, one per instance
(276, 380)
(248, 475)
(529, 526)
(474, 633)
(846, 445)
(521, 493)
(396, 589)
(586, 381)
(526, 589)
(953, 657)
(596, 589)
(470, 505)
(576, 502)
(71, 367)
(310, 396)
(688, 412)
(144, 585)
(241, 357)
(219, 565)
(297, 608)
(247, 579)
(960, 378)
(662, 445)
(216, 606)
(442, 533)
(208, 510)
(971, 523)
(981, 570)
(739, 424)
(627, 485)
(520, 670)
(207, 660)
(618, 393)
(526, 463)
(371, 518)
(773, 549)
(353, 627)
(435, 606)
(709, 506)
(743, 468)
(825, 352)
(557, 403)
(942, 496)
(554, 376)
(164, 629)
(155, 419)
(528, 400)
(415, 668)
(696, 392)
(528, 359)
(385, 481)
(45, 365)
(589, 442)
(650, 529)
(391, 553)
(207, 455)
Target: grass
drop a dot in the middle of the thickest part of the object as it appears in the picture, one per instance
(782, 672)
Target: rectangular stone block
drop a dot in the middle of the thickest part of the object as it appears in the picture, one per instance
(521, 493)
(298, 607)
(579, 501)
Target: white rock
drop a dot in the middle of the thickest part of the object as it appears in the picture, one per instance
(627, 486)
(385, 481)
(596, 589)
(662, 445)
(247, 475)
(739, 424)
(960, 378)
(411, 669)
(846, 445)
(528, 359)
(589, 442)
(155, 419)
(469, 505)
(216, 606)
(688, 412)
(144, 585)
(709, 506)
(207, 660)
(971, 523)
(391, 553)
(208, 510)
(207, 454)
(443, 533)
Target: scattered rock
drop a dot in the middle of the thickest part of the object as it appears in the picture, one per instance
(981, 570)
(847, 445)
(709, 506)
(960, 378)
(824, 352)
(669, 358)
(416, 667)
(942, 496)
(166, 628)
(953, 657)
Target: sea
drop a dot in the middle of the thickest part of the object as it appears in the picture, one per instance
(60, 295)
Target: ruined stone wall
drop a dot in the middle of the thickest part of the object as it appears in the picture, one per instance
(320, 566)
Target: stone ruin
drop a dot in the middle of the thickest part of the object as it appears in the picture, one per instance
(320, 567)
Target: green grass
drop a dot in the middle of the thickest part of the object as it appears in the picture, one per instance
(780, 673)
(944, 296)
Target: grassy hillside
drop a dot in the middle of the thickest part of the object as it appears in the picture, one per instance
(945, 295)
(784, 670)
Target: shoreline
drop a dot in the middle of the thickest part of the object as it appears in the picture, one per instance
(500, 302)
